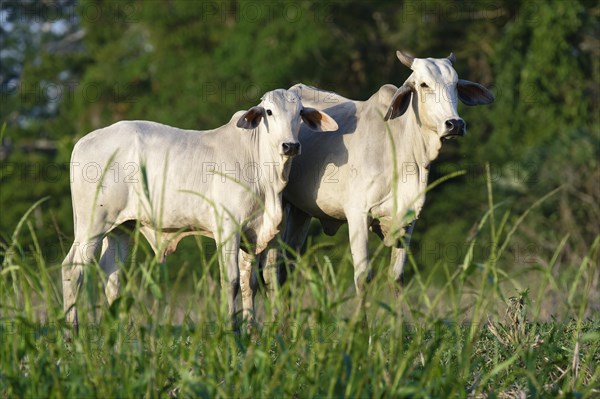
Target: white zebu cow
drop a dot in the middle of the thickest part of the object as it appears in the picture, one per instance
(222, 183)
(372, 172)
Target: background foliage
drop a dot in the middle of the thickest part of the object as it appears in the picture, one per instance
(503, 295)
(70, 67)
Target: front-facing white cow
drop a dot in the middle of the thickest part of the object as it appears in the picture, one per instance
(222, 183)
(372, 172)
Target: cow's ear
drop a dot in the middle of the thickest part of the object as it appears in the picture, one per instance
(400, 101)
(251, 118)
(472, 93)
(317, 120)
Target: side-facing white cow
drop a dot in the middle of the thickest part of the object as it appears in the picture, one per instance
(223, 183)
(372, 172)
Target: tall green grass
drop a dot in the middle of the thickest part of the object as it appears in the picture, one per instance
(475, 335)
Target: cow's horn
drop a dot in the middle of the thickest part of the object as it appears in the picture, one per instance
(451, 58)
(405, 59)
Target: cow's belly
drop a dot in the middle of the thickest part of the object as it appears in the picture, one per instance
(328, 206)
(170, 220)
(316, 191)
(320, 204)
(170, 211)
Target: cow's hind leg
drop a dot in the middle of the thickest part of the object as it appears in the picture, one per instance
(80, 254)
(115, 249)
(72, 276)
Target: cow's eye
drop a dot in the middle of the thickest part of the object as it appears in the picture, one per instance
(424, 85)
(269, 112)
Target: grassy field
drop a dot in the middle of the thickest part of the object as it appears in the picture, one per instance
(481, 332)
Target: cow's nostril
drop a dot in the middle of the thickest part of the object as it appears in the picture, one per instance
(290, 148)
(455, 127)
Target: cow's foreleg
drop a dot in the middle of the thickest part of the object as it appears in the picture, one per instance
(277, 263)
(246, 261)
(398, 260)
(359, 246)
(358, 226)
(296, 230)
(271, 274)
(230, 276)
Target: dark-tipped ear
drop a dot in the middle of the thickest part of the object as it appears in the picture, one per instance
(472, 93)
(251, 118)
(400, 102)
(317, 120)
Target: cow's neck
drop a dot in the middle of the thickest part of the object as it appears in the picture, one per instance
(272, 173)
(425, 143)
(274, 169)
(415, 148)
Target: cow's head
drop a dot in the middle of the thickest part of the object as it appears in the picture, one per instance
(434, 87)
(281, 113)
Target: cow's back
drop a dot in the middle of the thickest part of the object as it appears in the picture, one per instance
(334, 166)
(122, 140)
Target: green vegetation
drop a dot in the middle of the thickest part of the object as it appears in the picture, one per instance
(165, 338)
(503, 291)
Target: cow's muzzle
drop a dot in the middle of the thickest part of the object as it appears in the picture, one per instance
(454, 128)
(290, 149)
